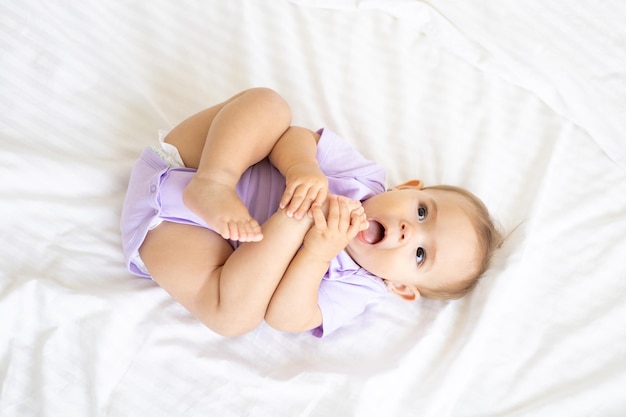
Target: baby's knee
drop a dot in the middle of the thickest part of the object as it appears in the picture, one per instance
(229, 327)
(272, 102)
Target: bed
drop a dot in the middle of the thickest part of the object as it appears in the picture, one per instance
(524, 103)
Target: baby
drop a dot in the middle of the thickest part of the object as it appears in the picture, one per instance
(242, 217)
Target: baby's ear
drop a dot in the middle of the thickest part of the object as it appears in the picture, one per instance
(406, 292)
(415, 183)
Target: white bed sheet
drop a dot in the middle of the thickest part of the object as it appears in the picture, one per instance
(522, 103)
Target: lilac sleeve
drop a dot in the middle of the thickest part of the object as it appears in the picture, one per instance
(349, 173)
(340, 301)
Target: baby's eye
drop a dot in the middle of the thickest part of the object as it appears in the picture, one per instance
(420, 256)
(422, 212)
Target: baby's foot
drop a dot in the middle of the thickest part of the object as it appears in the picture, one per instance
(354, 206)
(221, 208)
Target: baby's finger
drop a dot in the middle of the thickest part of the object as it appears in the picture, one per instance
(364, 224)
(322, 194)
(344, 214)
(333, 212)
(358, 222)
(304, 207)
(297, 198)
(318, 217)
(312, 197)
(287, 196)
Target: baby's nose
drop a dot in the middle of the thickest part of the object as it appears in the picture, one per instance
(406, 231)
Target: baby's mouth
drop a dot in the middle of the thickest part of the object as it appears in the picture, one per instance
(374, 233)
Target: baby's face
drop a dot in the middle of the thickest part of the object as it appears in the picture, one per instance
(417, 238)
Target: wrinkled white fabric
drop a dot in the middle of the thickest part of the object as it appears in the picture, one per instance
(520, 103)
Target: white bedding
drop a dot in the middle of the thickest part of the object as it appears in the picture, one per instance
(522, 102)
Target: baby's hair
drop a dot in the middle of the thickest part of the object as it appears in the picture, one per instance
(489, 239)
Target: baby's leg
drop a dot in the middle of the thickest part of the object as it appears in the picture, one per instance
(222, 142)
(227, 290)
(186, 261)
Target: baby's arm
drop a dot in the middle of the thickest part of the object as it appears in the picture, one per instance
(293, 306)
(294, 155)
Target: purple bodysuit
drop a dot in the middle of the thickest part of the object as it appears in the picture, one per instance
(155, 193)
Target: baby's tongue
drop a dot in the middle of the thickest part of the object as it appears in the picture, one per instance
(374, 233)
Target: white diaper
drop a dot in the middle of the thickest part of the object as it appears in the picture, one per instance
(168, 152)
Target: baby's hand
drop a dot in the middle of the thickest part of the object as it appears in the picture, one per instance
(331, 233)
(306, 185)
